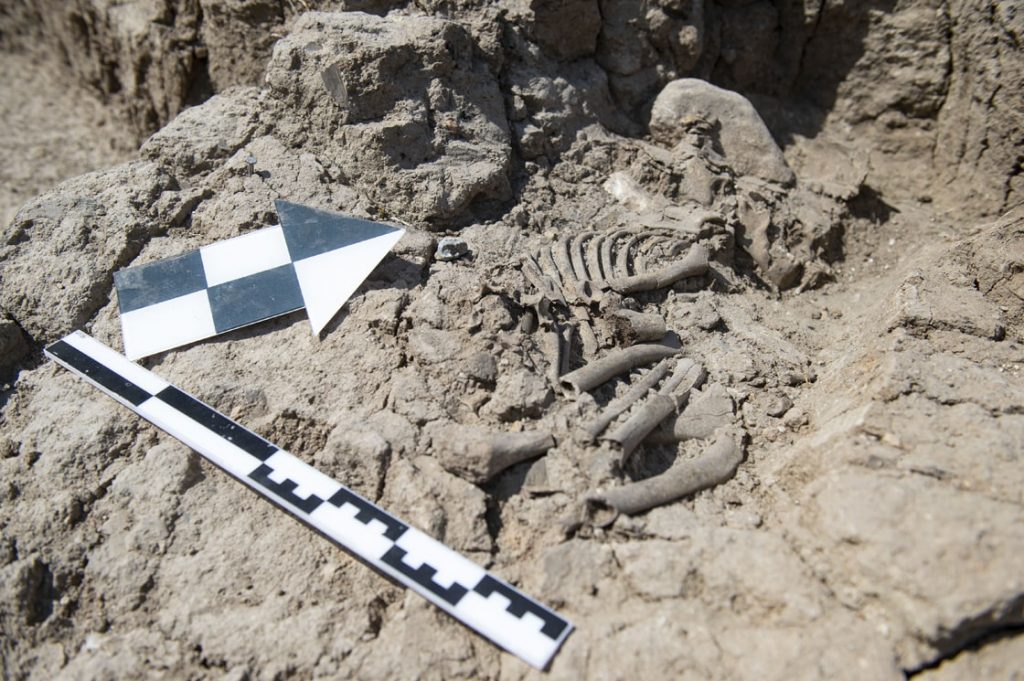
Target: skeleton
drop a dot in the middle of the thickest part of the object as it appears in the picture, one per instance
(579, 283)
(592, 331)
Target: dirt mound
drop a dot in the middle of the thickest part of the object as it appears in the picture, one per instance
(925, 90)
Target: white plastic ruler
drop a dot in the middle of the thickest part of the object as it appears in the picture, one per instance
(460, 587)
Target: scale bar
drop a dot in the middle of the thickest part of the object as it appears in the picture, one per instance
(460, 587)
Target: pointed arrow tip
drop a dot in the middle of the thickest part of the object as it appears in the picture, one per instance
(329, 278)
(332, 255)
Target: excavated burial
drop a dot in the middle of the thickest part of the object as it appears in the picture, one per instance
(814, 471)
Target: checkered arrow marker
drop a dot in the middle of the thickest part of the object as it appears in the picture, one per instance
(458, 586)
(313, 259)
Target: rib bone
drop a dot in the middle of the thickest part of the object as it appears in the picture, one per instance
(578, 255)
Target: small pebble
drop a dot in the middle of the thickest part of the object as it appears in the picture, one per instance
(796, 418)
(779, 406)
(8, 449)
(892, 439)
(743, 520)
(451, 248)
(707, 320)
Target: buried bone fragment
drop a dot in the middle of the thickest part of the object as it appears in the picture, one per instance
(716, 465)
(478, 456)
(614, 364)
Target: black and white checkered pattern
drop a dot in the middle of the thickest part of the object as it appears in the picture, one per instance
(313, 259)
(455, 584)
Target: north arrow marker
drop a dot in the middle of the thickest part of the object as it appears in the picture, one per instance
(314, 259)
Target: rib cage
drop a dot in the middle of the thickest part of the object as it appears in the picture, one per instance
(572, 269)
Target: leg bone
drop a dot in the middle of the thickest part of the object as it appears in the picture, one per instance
(614, 364)
(717, 465)
(478, 457)
(620, 405)
(658, 407)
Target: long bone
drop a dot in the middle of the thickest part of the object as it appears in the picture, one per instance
(613, 364)
(588, 339)
(565, 352)
(479, 456)
(629, 326)
(716, 465)
(658, 407)
(552, 348)
(619, 405)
